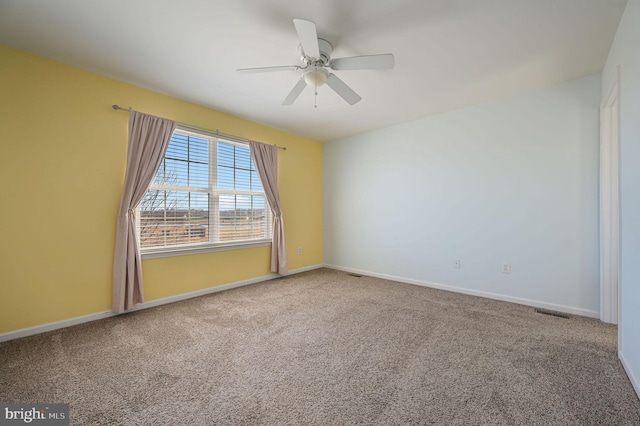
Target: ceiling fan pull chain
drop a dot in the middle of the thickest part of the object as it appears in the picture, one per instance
(315, 90)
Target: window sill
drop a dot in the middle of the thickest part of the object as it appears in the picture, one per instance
(199, 249)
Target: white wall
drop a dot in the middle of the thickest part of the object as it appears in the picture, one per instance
(514, 180)
(625, 53)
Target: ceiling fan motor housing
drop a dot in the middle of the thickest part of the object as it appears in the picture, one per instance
(325, 54)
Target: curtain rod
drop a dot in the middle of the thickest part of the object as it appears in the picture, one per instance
(213, 132)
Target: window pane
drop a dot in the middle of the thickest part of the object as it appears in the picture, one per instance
(243, 204)
(170, 218)
(151, 218)
(227, 202)
(198, 150)
(197, 230)
(158, 179)
(177, 148)
(256, 185)
(226, 227)
(225, 178)
(199, 175)
(243, 217)
(176, 172)
(259, 203)
(243, 158)
(260, 217)
(185, 162)
(198, 162)
(243, 180)
(225, 154)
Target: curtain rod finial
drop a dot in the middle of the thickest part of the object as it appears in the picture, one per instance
(118, 107)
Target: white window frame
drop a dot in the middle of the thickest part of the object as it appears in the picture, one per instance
(214, 212)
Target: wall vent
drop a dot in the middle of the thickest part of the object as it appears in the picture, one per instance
(552, 313)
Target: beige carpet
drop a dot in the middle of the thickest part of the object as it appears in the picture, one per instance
(327, 348)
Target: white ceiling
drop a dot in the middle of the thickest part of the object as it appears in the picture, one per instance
(449, 53)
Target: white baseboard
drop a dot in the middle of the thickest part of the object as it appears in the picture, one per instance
(11, 335)
(634, 381)
(495, 296)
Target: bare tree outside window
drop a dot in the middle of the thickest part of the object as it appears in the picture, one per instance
(171, 217)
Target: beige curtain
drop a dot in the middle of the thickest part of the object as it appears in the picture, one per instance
(265, 158)
(148, 140)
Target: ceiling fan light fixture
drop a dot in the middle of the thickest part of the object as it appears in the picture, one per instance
(316, 77)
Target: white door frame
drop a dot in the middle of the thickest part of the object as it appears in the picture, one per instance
(610, 202)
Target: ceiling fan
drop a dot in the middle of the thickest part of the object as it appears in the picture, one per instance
(315, 55)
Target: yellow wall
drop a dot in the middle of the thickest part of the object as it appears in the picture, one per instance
(62, 163)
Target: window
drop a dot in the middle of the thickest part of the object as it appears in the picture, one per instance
(205, 195)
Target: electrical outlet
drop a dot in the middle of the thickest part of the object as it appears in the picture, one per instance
(506, 268)
(299, 250)
(456, 264)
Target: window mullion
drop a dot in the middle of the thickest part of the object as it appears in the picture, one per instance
(164, 217)
(214, 197)
(178, 188)
(234, 192)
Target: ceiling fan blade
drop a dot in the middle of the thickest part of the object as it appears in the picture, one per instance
(343, 90)
(295, 92)
(367, 62)
(268, 69)
(308, 37)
